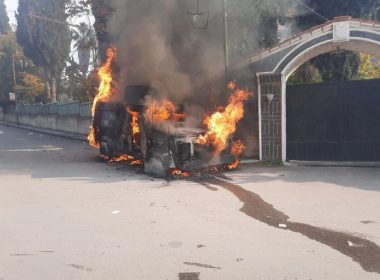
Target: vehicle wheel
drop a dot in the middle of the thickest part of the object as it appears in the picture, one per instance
(106, 150)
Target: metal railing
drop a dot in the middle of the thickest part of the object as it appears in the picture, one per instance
(64, 109)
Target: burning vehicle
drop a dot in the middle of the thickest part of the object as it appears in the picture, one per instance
(147, 130)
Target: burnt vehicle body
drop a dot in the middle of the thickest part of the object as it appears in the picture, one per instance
(164, 150)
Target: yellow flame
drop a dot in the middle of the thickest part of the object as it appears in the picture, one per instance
(223, 123)
(104, 90)
(162, 110)
(135, 125)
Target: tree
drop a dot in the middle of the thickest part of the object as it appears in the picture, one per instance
(76, 84)
(305, 74)
(369, 67)
(252, 25)
(339, 66)
(85, 44)
(4, 19)
(6, 67)
(45, 37)
(6, 54)
(330, 9)
(102, 12)
(31, 87)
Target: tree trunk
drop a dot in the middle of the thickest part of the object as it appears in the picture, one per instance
(47, 83)
(53, 84)
(48, 89)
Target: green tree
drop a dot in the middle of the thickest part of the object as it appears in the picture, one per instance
(76, 83)
(330, 9)
(252, 25)
(102, 11)
(6, 67)
(45, 37)
(339, 66)
(4, 19)
(85, 44)
(342, 65)
(306, 74)
(6, 54)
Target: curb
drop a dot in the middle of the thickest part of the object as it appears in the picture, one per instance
(363, 164)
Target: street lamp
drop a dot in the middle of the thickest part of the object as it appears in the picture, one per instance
(198, 20)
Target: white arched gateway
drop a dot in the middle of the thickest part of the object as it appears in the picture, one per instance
(273, 66)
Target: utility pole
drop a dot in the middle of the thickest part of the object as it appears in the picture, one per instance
(225, 23)
(14, 71)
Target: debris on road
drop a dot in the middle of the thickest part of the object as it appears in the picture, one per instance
(202, 265)
(80, 267)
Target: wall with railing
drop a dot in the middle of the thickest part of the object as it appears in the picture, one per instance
(64, 109)
(74, 117)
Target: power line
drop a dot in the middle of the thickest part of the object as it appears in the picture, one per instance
(312, 10)
(60, 22)
(54, 20)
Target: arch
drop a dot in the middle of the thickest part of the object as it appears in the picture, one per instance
(304, 53)
(274, 65)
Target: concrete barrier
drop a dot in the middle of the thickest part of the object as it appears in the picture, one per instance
(71, 124)
(10, 117)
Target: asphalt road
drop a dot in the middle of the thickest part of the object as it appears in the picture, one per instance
(64, 214)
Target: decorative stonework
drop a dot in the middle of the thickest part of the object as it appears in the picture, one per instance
(271, 116)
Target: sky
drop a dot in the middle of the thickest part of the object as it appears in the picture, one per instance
(11, 7)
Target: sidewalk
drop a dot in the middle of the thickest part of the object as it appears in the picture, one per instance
(62, 134)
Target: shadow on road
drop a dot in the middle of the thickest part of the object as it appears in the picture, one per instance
(349, 177)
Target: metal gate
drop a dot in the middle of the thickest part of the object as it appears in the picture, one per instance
(334, 121)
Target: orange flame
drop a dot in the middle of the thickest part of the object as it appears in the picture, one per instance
(124, 158)
(137, 162)
(135, 126)
(121, 158)
(234, 165)
(163, 110)
(104, 90)
(91, 138)
(178, 172)
(223, 123)
(201, 140)
(237, 148)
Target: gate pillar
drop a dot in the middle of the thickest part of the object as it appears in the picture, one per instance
(271, 116)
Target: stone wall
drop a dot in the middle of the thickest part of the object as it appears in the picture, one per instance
(271, 137)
